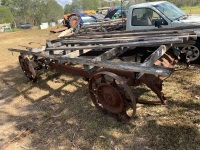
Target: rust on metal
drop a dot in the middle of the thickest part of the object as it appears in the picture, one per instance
(108, 92)
(27, 68)
(70, 69)
(59, 29)
(99, 59)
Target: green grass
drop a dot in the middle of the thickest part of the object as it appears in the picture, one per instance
(191, 10)
(16, 29)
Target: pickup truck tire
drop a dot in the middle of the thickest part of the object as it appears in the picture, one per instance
(193, 52)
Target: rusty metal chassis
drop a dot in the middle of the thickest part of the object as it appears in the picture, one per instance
(73, 55)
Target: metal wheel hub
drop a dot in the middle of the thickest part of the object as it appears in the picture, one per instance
(110, 93)
(110, 98)
(192, 52)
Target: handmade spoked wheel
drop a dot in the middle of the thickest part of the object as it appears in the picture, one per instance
(110, 93)
(27, 68)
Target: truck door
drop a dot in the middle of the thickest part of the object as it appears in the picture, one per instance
(146, 18)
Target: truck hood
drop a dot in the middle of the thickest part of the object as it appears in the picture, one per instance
(191, 19)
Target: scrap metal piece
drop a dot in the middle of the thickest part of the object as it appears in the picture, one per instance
(168, 60)
(60, 29)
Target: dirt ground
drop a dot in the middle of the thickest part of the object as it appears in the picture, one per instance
(57, 112)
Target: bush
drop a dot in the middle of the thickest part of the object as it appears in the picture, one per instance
(5, 15)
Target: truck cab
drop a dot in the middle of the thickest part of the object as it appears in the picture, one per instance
(163, 14)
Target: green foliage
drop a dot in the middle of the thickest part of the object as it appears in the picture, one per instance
(82, 4)
(53, 11)
(38, 11)
(88, 4)
(5, 15)
(3, 2)
(34, 11)
(68, 9)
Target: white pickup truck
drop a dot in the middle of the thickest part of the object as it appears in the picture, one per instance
(163, 14)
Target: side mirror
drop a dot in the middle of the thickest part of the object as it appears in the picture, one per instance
(158, 23)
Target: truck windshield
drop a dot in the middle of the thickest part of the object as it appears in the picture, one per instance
(170, 11)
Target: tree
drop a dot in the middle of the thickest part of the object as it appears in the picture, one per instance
(5, 15)
(88, 4)
(76, 4)
(82, 4)
(68, 9)
(34, 11)
(3, 2)
(53, 11)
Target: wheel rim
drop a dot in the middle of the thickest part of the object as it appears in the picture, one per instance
(27, 68)
(192, 52)
(111, 95)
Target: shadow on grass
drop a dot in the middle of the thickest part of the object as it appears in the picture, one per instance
(63, 117)
(60, 117)
(189, 105)
(169, 136)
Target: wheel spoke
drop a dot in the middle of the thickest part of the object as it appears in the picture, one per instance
(95, 83)
(110, 93)
(27, 68)
(192, 52)
(103, 80)
(113, 83)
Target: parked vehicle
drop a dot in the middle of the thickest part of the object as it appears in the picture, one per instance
(75, 20)
(26, 26)
(163, 14)
(81, 18)
(88, 20)
(154, 15)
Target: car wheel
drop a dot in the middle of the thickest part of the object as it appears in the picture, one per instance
(192, 53)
